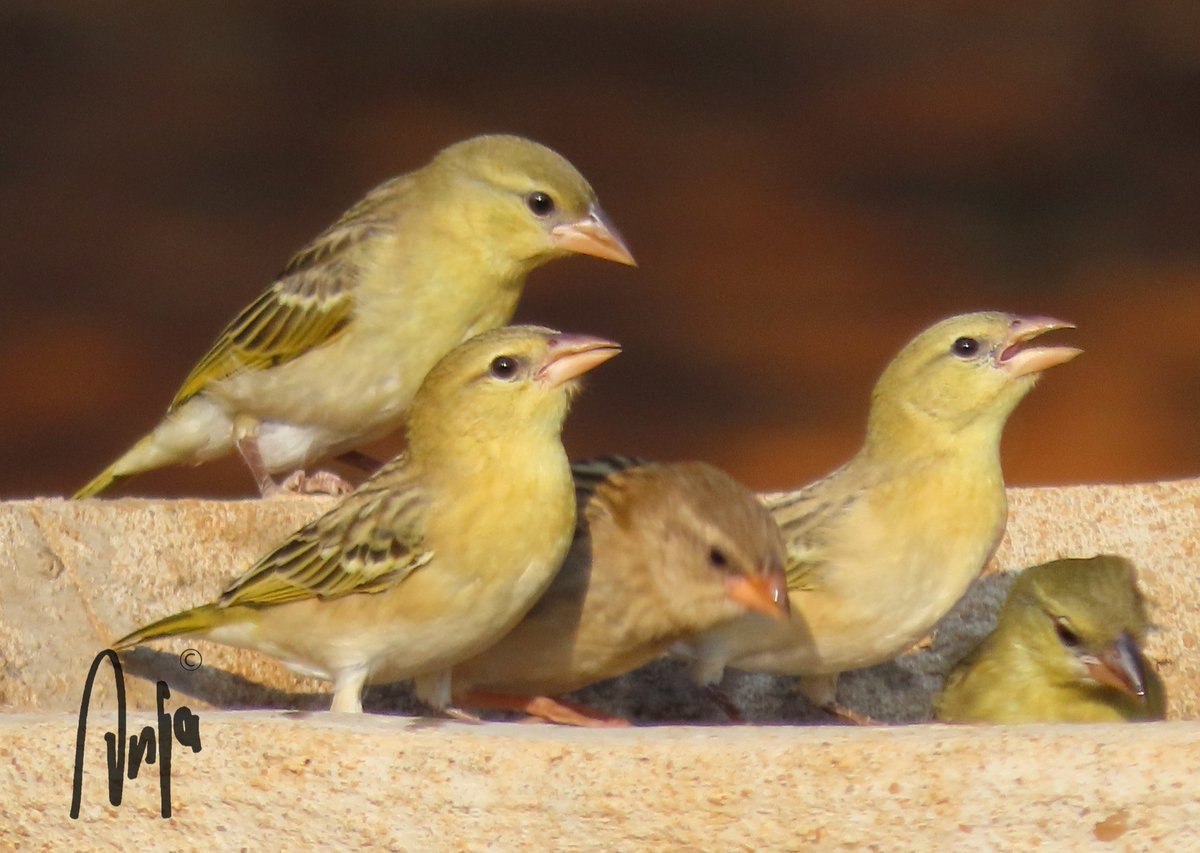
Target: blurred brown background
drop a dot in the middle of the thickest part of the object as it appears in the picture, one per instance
(805, 186)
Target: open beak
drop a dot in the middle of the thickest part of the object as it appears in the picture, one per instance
(574, 355)
(593, 235)
(1119, 666)
(764, 593)
(1021, 360)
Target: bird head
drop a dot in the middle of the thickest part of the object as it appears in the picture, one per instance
(522, 202)
(711, 551)
(501, 387)
(961, 376)
(1081, 621)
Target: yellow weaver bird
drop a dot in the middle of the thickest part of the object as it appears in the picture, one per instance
(882, 548)
(442, 551)
(329, 357)
(1066, 649)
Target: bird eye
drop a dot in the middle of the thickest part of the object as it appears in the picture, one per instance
(540, 203)
(717, 558)
(964, 347)
(504, 367)
(1068, 637)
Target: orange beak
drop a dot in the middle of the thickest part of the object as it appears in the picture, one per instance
(1021, 361)
(593, 235)
(573, 355)
(764, 593)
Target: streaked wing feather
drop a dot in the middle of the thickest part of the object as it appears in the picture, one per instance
(308, 305)
(803, 516)
(367, 544)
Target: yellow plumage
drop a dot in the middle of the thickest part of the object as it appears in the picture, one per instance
(330, 355)
(883, 547)
(661, 552)
(1066, 649)
(440, 552)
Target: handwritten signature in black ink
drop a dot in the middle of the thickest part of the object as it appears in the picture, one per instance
(185, 725)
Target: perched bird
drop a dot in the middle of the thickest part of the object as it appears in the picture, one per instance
(882, 548)
(1065, 650)
(661, 552)
(329, 357)
(443, 550)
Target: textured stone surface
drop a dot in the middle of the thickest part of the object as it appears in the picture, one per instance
(75, 575)
(97, 569)
(268, 780)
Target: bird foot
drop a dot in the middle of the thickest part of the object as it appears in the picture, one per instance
(300, 483)
(848, 715)
(543, 709)
(460, 715)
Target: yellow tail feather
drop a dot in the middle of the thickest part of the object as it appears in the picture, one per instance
(99, 483)
(191, 621)
(143, 456)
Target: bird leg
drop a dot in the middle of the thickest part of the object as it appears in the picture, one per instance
(821, 690)
(721, 699)
(543, 709)
(297, 483)
(848, 715)
(247, 446)
(348, 688)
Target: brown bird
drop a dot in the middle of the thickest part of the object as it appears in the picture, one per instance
(662, 551)
(329, 357)
(882, 548)
(442, 551)
(1066, 649)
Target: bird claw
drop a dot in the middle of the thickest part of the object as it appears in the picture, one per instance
(549, 710)
(721, 699)
(848, 715)
(461, 715)
(300, 483)
(542, 709)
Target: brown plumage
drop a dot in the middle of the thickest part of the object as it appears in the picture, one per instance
(662, 551)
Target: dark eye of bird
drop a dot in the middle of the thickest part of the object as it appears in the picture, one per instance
(964, 347)
(717, 558)
(540, 203)
(1068, 637)
(504, 367)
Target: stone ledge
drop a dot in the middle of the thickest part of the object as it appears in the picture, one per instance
(75, 575)
(96, 569)
(291, 781)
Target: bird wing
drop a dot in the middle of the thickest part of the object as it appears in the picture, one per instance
(308, 305)
(590, 474)
(805, 517)
(369, 543)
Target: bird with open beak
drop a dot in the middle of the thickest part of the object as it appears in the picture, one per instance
(882, 548)
(329, 357)
(1066, 649)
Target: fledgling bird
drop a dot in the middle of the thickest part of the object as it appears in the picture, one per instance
(443, 550)
(661, 552)
(329, 357)
(1066, 649)
(882, 548)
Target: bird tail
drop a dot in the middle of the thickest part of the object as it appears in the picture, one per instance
(143, 456)
(195, 621)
